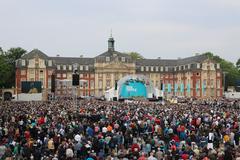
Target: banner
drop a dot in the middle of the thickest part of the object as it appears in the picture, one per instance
(169, 88)
(203, 88)
(182, 88)
(176, 88)
(188, 88)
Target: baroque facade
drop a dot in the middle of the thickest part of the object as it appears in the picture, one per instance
(196, 76)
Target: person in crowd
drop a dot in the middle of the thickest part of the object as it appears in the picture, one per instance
(141, 130)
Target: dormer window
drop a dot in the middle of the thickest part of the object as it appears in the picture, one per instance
(70, 67)
(107, 59)
(86, 68)
(161, 68)
(147, 68)
(166, 69)
(123, 59)
(58, 67)
(23, 62)
(152, 68)
(50, 63)
(64, 67)
(198, 65)
(218, 66)
(81, 68)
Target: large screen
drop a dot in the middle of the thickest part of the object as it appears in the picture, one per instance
(31, 86)
(133, 88)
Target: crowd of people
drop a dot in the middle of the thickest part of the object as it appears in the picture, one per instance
(98, 130)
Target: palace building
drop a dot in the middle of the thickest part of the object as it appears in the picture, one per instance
(196, 76)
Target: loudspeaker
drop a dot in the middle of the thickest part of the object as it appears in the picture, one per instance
(53, 83)
(114, 98)
(75, 80)
(160, 98)
(161, 86)
(116, 85)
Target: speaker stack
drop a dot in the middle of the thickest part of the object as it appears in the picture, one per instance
(53, 83)
(75, 79)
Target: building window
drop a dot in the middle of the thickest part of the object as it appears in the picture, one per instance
(58, 67)
(161, 68)
(123, 59)
(50, 63)
(107, 59)
(218, 93)
(82, 84)
(198, 92)
(218, 83)
(92, 84)
(64, 67)
(218, 66)
(204, 87)
(58, 75)
(23, 72)
(31, 62)
(198, 65)
(81, 75)
(31, 79)
(212, 92)
(49, 83)
(100, 75)
(86, 68)
(147, 69)
(31, 71)
(100, 84)
(50, 72)
(23, 62)
(64, 75)
(41, 73)
(152, 68)
(108, 83)
(81, 68)
(142, 68)
(91, 93)
(40, 62)
(108, 75)
(212, 83)
(166, 69)
(70, 67)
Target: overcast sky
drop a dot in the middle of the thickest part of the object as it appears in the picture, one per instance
(154, 28)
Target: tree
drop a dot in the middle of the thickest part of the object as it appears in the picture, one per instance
(135, 55)
(238, 64)
(232, 73)
(7, 66)
(1, 51)
(15, 53)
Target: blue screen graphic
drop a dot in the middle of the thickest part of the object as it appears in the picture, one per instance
(133, 89)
